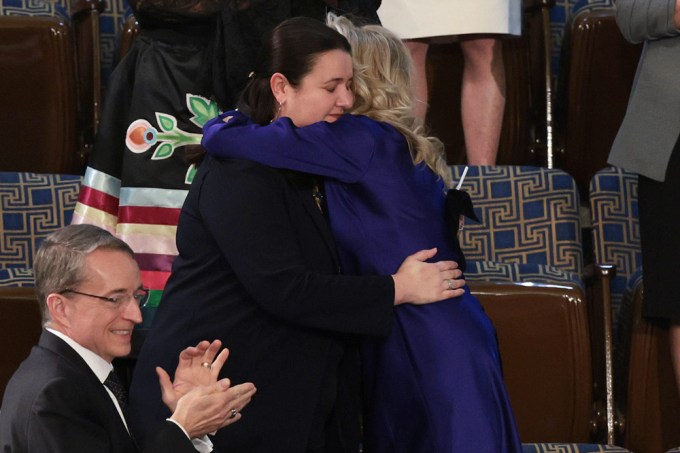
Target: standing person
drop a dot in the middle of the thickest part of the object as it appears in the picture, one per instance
(136, 178)
(62, 399)
(257, 269)
(440, 363)
(647, 143)
(478, 26)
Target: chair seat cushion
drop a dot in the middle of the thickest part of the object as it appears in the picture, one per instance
(571, 448)
(491, 271)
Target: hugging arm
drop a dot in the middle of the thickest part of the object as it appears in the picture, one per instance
(341, 150)
(259, 236)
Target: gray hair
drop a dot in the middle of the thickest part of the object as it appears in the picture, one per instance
(60, 261)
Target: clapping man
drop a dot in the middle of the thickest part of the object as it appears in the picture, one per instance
(64, 397)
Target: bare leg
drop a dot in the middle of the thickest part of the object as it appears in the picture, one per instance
(418, 51)
(482, 98)
(674, 337)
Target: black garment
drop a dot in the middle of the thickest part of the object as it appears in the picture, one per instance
(257, 269)
(360, 11)
(659, 203)
(161, 68)
(237, 44)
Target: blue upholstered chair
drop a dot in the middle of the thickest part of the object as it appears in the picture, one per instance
(31, 207)
(525, 264)
(616, 229)
(648, 405)
(529, 228)
(34, 8)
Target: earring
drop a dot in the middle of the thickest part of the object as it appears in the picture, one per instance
(278, 112)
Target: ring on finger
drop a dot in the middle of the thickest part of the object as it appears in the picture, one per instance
(449, 284)
(234, 413)
(206, 365)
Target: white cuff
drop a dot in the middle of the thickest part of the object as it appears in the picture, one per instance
(201, 444)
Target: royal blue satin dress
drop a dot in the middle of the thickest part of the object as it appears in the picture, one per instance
(435, 384)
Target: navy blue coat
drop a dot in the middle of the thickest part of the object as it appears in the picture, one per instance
(257, 268)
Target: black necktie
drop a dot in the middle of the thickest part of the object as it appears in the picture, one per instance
(116, 387)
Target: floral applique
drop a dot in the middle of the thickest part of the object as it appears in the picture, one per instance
(141, 136)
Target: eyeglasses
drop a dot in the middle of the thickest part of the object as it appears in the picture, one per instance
(141, 296)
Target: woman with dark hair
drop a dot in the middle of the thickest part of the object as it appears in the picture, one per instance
(257, 269)
(434, 384)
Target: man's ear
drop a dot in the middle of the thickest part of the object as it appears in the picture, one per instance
(56, 305)
(279, 86)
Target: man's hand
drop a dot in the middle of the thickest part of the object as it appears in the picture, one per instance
(197, 367)
(206, 409)
(419, 282)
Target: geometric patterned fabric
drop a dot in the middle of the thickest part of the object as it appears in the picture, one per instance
(34, 8)
(491, 271)
(529, 227)
(616, 227)
(17, 277)
(571, 448)
(615, 222)
(529, 231)
(31, 207)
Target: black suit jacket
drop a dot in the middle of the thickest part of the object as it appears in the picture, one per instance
(257, 269)
(55, 403)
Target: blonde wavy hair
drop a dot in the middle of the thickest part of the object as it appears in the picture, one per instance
(383, 89)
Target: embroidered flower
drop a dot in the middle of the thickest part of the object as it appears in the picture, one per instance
(140, 136)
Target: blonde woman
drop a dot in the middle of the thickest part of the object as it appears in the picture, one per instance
(434, 384)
